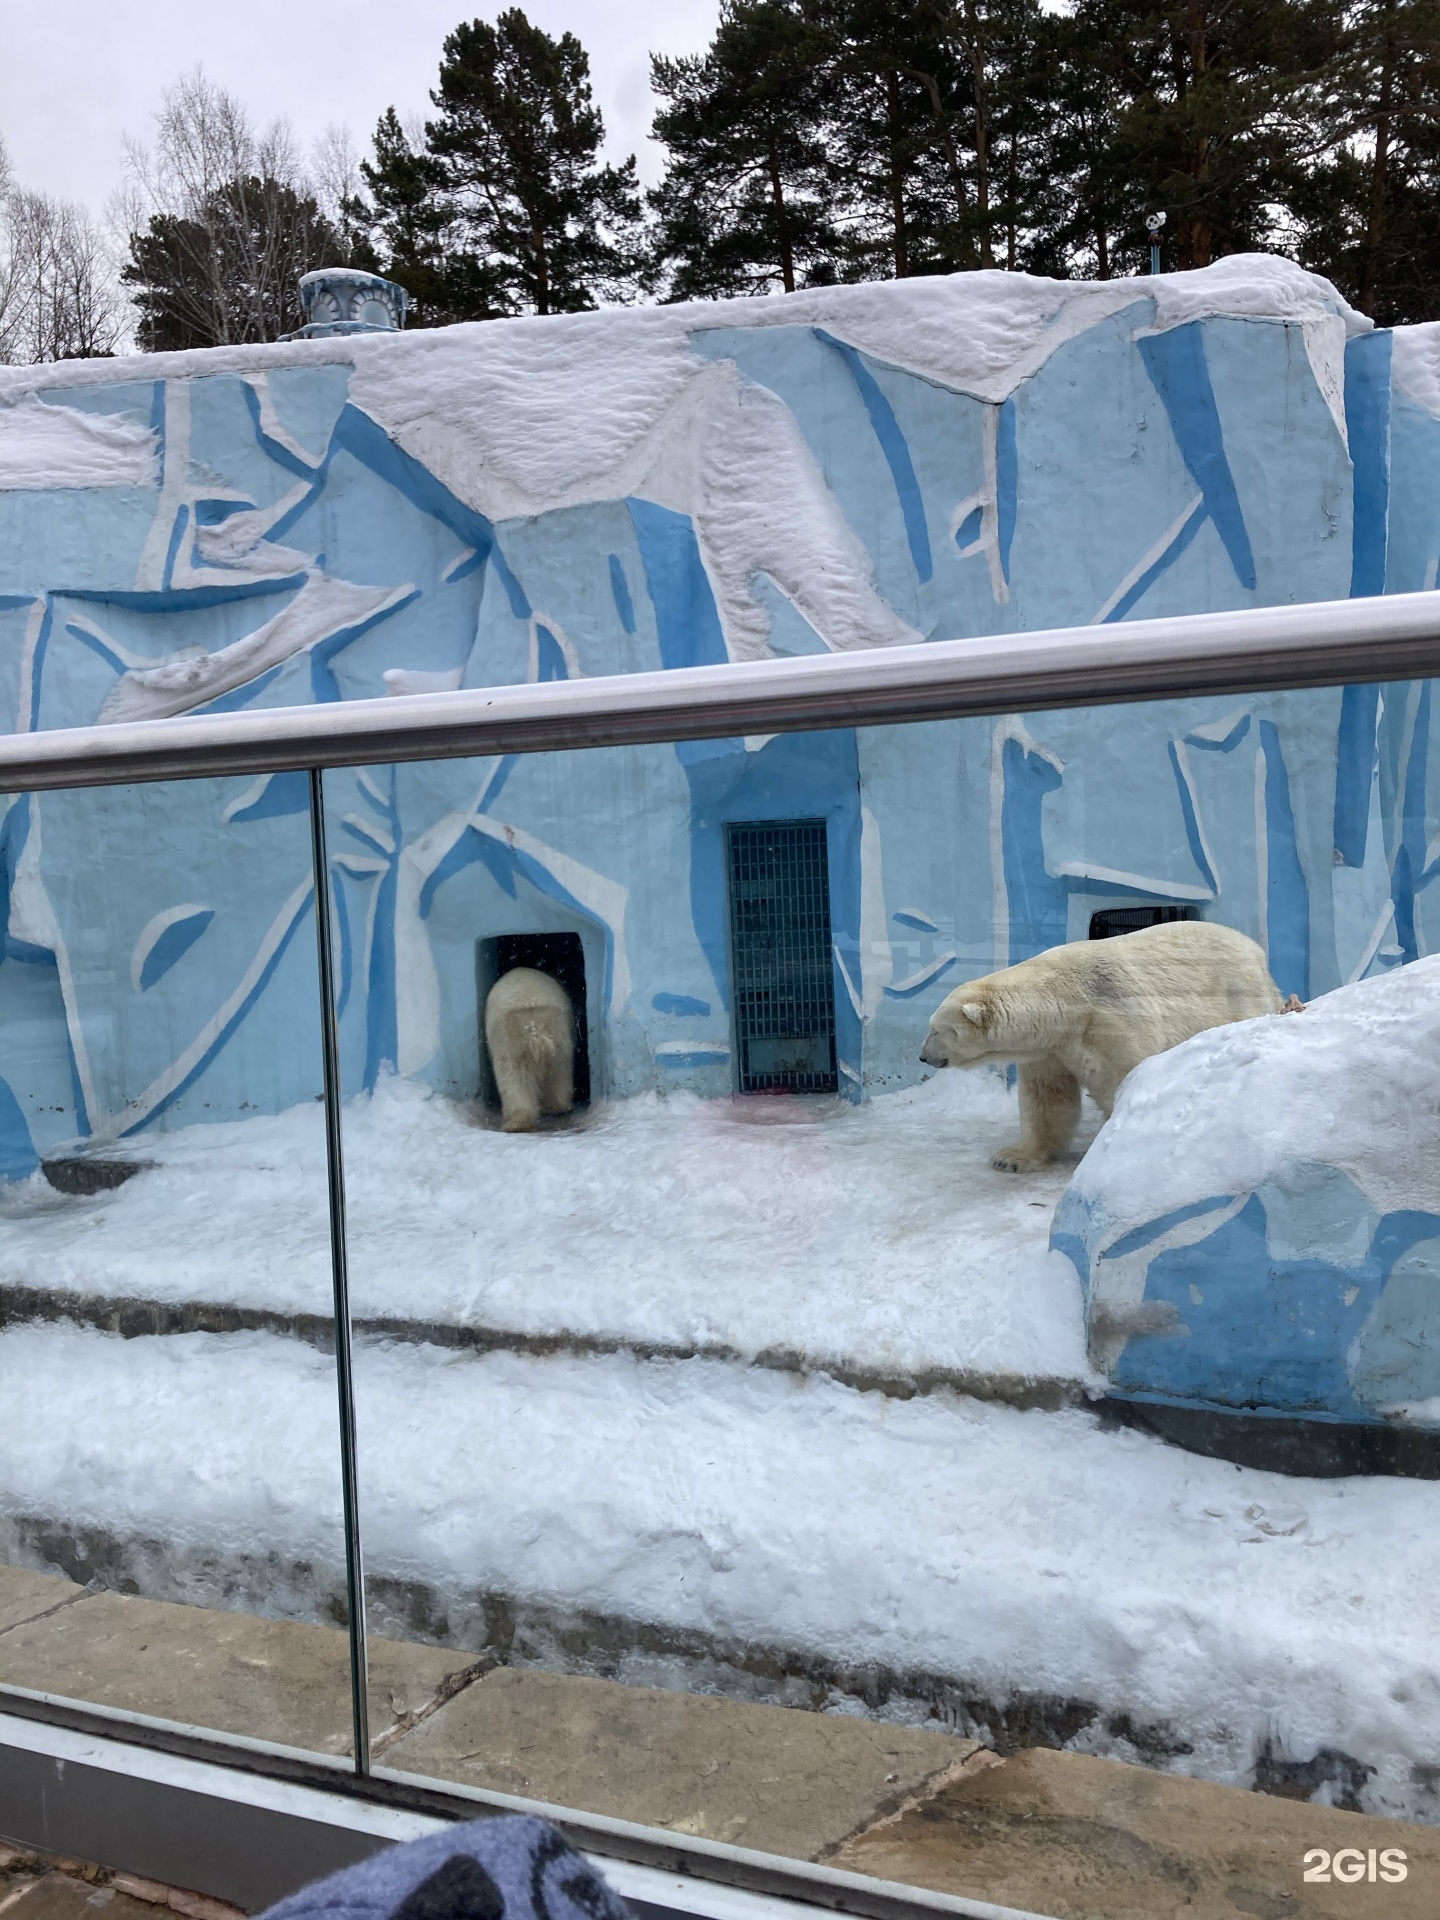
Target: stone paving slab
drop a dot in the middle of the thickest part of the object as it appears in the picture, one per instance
(25, 1595)
(1048, 1832)
(757, 1776)
(49, 1886)
(1086, 1839)
(277, 1680)
(57, 1897)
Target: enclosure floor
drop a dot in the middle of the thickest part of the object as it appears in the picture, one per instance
(912, 1556)
(874, 1240)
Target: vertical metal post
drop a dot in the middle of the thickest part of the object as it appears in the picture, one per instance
(340, 1277)
(1155, 226)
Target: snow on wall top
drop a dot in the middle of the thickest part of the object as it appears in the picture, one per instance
(53, 446)
(978, 332)
(848, 461)
(524, 416)
(540, 414)
(1416, 364)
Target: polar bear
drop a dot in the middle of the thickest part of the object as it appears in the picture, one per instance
(1084, 1014)
(530, 1031)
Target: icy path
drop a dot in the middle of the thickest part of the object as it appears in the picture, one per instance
(1007, 1550)
(877, 1236)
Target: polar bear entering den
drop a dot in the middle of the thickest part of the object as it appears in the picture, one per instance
(530, 1031)
(1084, 1014)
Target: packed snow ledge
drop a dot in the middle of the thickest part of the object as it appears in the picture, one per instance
(971, 1551)
(876, 1237)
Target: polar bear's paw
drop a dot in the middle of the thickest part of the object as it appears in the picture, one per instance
(1019, 1159)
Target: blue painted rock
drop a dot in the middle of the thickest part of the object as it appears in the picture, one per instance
(1259, 1224)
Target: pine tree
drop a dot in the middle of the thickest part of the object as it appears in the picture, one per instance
(416, 232)
(546, 227)
(1081, 200)
(1010, 49)
(1214, 114)
(1367, 208)
(899, 90)
(744, 204)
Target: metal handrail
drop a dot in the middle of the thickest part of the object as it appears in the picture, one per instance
(1326, 643)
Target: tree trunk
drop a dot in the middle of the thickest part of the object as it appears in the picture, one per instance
(897, 178)
(1379, 174)
(782, 224)
(982, 136)
(1012, 188)
(542, 268)
(947, 140)
(1202, 228)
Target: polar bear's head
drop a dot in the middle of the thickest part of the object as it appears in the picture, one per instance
(962, 1029)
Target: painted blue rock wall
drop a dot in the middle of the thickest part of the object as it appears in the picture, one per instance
(534, 501)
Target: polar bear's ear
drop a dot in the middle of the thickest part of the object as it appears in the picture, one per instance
(976, 1012)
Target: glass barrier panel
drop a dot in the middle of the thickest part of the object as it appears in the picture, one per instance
(170, 1514)
(895, 1277)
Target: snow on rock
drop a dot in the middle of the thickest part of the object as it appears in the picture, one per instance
(1252, 286)
(1260, 1222)
(546, 413)
(763, 506)
(321, 609)
(1006, 1551)
(53, 446)
(1416, 363)
(875, 1236)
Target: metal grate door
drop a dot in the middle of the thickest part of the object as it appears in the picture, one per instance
(780, 952)
(1111, 921)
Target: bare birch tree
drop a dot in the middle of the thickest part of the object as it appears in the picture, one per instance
(58, 294)
(223, 219)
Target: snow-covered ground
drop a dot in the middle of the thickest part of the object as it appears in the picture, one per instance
(1007, 1549)
(1007, 1552)
(876, 1237)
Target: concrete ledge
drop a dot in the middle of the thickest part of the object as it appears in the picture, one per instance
(137, 1318)
(513, 1630)
(767, 1778)
(770, 1779)
(1317, 1449)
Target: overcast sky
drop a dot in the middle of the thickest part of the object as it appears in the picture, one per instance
(77, 75)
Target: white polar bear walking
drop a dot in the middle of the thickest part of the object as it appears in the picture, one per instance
(530, 1031)
(1084, 1014)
